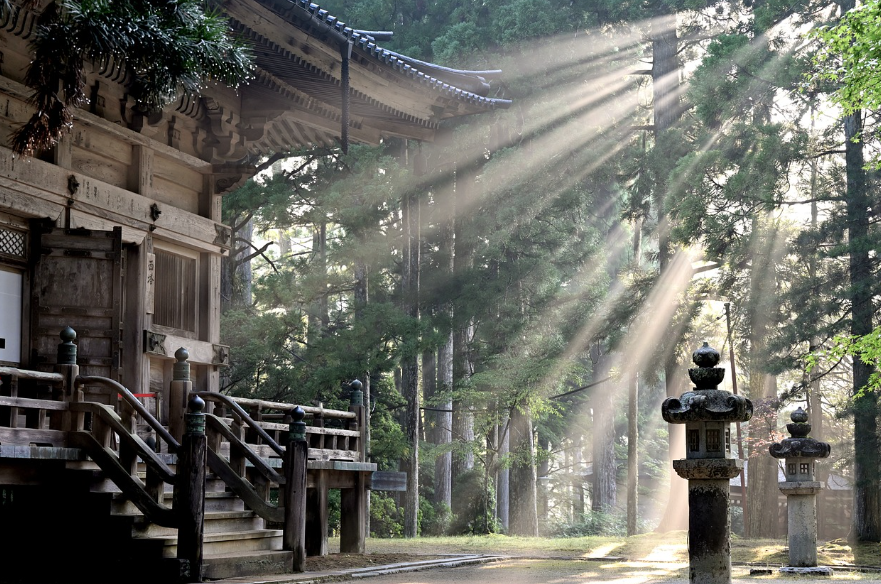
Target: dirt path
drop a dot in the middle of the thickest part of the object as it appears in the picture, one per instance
(556, 571)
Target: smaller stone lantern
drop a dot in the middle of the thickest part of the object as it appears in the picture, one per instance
(709, 465)
(799, 454)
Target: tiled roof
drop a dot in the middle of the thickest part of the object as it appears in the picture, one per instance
(312, 15)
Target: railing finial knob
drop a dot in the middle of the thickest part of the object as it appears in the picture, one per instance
(195, 419)
(297, 427)
(357, 398)
(196, 405)
(66, 348)
(181, 369)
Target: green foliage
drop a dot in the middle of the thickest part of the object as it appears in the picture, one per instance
(849, 53)
(434, 519)
(476, 500)
(386, 518)
(866, 347)
(613, 523)
(165, 46)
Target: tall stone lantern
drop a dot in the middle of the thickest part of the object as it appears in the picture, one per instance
(799, 453)
(709, 466)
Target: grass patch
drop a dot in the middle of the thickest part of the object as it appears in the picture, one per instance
(649, 547)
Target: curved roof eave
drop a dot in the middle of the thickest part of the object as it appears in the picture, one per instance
(444, 80)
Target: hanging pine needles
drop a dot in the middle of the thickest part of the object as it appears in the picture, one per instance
(165, 47)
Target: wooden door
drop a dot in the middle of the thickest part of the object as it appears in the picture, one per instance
(77, 281)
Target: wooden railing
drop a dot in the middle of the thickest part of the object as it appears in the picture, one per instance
(244, 449)
(242, 443)
(31, 420)
(263, 433)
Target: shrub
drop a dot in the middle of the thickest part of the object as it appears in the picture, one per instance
(386, 518)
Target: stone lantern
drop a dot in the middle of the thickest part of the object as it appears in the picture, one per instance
(799, 454)
(709, 466)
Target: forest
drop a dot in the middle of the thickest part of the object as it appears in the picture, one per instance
(520, 295)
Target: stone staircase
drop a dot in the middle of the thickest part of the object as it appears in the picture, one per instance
(237, 541)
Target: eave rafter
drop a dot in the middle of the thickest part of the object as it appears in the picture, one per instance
(400, 97)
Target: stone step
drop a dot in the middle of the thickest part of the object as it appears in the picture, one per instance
(236, 565)
(215, 522)
(227, 542)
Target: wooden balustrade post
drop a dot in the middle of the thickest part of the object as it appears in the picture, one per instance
(189, 501)
(66, 366)
(353, 501)
(181, 386)
(296, 455)
(356, 405)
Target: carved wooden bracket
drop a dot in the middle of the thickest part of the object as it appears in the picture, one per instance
(221, 355)
(154, 343)
(223, 234)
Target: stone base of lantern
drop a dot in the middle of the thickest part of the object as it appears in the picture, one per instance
(801, 502)
(812, 571)
(709, 520)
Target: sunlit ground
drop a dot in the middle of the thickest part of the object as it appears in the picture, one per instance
(569, 571)
(650, 557)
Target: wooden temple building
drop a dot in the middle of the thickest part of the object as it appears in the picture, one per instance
(116, 233)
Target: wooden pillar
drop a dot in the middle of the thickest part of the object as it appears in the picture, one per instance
(296, 456)
(190, 492)
(356, 405)
(316, 516)
(353, 502)
(181, 386)
(66, 366)
(353, 516)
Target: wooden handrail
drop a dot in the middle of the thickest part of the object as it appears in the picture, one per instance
(131, 486)
(140, 447)
(55, 378)
(235, 442)
(315, 411)
(226, 400)
(243, 489)
(135, 404)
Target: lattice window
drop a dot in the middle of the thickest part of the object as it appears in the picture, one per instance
(714, 441)
(805, 468)
(13, 243)
(790, 468)
(175, 302)
(728, 440)
(694, 440)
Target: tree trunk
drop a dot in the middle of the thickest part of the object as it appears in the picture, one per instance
(578, 479)
(604, 488)
(523, 519)
(762, 491)
(867, 457)
(632, 454)
(666, 112)
(361, 295)
(443, 486)
(604, 485)
(542, 486)
(503, 474)
(318, 317)
(762, 477)
(409, 366)
(235, 272)
(429, 390)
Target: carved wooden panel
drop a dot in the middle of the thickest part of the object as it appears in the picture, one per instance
(77, 281)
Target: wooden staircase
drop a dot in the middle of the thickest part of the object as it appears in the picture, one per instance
(236, 540)
(110, 496)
